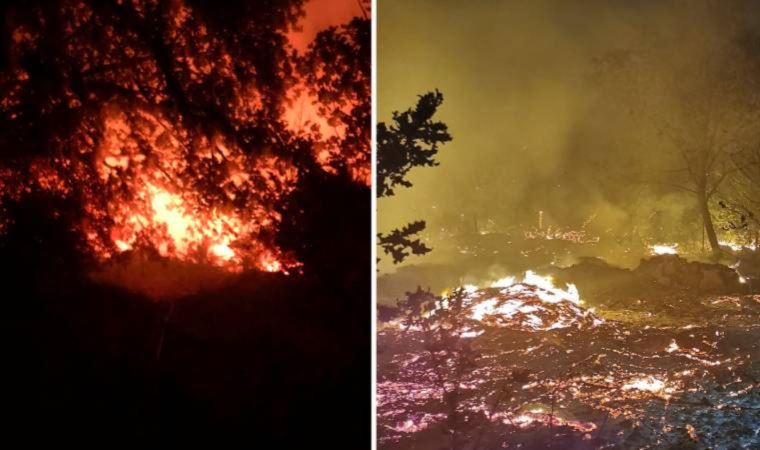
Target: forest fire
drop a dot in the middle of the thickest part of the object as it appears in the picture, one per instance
(169, 227)
(179, 143)
(163, 201)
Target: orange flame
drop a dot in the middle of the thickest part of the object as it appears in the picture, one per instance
(150, 176)
(156, 173)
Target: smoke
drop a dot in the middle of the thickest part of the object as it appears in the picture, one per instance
(319, 15)
(534, 128)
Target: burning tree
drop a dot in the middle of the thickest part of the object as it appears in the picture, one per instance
(160, 127)
(701, 99)
(152, 140)
(411, 141)
(340, 82)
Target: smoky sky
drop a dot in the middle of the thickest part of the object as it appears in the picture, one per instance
(319, 15)
(532, 131)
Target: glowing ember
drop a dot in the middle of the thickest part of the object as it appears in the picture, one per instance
(559, 234)
(538, 418)
(664, 249)
(692, 432)
(736, 246)
(648, 384)
(418, 423)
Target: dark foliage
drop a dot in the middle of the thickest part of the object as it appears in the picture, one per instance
(337, 71)
(411, 141)
(64, 59)
(400, 242)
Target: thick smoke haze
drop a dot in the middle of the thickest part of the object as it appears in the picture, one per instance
(540, 123)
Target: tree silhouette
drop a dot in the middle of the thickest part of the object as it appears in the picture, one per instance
(341, 82)
(412, 140)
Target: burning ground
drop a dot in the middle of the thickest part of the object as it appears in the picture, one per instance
(522, 364)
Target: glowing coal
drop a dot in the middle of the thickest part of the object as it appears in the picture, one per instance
(551, 364)
(648, 384)
(664, 249)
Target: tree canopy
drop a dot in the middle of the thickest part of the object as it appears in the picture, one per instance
(411, 140)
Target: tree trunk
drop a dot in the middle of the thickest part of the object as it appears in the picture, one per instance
(704, 209)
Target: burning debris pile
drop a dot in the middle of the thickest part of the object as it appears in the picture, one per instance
(166, 131)
(526, 365)
(525, 305)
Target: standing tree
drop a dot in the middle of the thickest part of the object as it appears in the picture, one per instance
(739, 202)
(702, 98)
(411, 141)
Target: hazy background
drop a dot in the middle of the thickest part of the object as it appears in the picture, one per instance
(532, 128)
